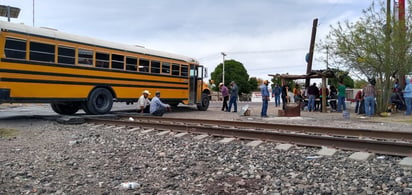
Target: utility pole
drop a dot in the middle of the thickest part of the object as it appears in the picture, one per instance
(223, 71)
(33, 13)
(310, 55)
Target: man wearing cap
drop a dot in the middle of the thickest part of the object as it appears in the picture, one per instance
(264, 91)
(234, 91)
(225, 94)
(144, 102)
(157, 107)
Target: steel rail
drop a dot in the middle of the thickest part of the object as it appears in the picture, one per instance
(335, 131)
(381, 147)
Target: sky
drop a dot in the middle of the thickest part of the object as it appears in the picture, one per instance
(266, 36)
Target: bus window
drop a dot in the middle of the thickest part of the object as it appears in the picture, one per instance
(85, 57)
(41, 52)
(15, 48)
(175, 69)
(66, 55)
(200, 72)
(165, 68)
(102, 60)
(117, 61)
(184, 71)
(155, 68)
(131, 63)
(143, 65)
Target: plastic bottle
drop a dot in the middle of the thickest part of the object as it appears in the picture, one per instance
(129, 185)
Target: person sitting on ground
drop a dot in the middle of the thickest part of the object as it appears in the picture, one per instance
(333, 96)
(157, 107)
(143, 104)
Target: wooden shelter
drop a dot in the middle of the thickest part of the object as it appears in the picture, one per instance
(314, 74)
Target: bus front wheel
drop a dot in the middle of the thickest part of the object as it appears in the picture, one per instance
(100, 101)
(204, 104)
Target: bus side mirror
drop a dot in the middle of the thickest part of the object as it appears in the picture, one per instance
(205, 75)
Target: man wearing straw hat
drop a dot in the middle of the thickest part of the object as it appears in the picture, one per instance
(144, 102)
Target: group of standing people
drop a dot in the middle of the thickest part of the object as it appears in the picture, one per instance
(280, 92)
(336, 96)
(230, 94)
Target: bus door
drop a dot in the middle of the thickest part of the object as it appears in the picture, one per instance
(192, 84)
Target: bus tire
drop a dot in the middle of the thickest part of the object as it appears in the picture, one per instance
(204, 104)
(65, 108)
(100, 101)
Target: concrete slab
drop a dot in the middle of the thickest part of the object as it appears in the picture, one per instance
(74, 120)
(202, 136)
(406, 162)
(164, 133)
(327, 151)
(118, 128)
(361, 156)
(147, 131)
(284, 147)
(226, 140)
(180, 134)
(134, 129)
(254, 143)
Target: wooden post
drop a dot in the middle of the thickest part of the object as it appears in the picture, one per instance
(323, 93)
(312, 46)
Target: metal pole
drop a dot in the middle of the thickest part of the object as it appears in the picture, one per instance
(223, 71)
(8, 13)
(33, 13)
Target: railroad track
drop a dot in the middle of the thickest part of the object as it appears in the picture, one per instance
(381, 142)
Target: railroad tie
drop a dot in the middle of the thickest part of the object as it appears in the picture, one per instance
(254, 143)
(361, 156)
(284, 147)
(227, 140)
(201, 136)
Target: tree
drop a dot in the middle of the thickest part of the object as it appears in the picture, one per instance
(359, 84)
(341, 75)
(234, 71)
(253, 83)
(376, 47)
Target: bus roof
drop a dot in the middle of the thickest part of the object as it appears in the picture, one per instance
(55, 34)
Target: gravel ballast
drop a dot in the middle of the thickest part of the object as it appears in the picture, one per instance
(48, 157)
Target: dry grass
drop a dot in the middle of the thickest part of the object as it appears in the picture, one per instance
(7, 133)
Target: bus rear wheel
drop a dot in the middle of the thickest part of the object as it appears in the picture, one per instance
(100, 101)
(65, 108)
(204, 104)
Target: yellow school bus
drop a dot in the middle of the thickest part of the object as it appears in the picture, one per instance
(40, 65)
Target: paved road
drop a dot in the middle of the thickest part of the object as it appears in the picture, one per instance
(26, 110)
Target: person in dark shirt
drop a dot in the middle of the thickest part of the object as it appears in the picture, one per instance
(276, 91)
(285, 89)
(313, 92)
(333, 96)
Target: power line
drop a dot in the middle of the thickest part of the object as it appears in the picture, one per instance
(265, 51)
(252, 52)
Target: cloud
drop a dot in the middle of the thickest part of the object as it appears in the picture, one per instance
(267, 36)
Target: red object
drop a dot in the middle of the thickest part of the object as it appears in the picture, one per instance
(401, 13)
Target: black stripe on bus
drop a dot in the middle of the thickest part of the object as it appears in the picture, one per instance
(3, 79)
(51, 100)
(93, 45)
(83, 76)
(87, 68)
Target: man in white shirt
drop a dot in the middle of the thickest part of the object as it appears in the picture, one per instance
(157, 107)
(143, 104)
